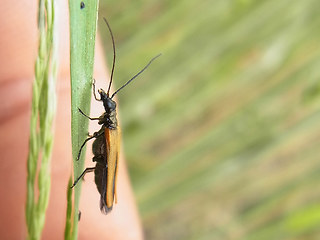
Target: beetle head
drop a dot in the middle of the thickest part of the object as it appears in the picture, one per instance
(108, 103)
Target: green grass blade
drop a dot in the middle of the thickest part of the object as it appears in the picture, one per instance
(83, 24)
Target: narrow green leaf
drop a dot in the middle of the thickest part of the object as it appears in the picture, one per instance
(83, 24)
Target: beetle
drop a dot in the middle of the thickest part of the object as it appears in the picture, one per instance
(106, 146)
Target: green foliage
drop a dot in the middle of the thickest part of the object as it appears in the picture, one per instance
(42, 115)
(83, 21)
(222, 132)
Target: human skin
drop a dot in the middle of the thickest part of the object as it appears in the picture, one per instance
(18, 50)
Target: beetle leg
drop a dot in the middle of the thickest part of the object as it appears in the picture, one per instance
(94, 90)
(87, 115)
(95, 135)
(87, 170)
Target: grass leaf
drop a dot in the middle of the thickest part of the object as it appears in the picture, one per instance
(83, 24)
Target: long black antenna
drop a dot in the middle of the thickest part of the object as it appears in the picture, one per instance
(114, 56)
(136, 75)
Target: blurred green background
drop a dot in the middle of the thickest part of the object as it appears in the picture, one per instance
(222, 132)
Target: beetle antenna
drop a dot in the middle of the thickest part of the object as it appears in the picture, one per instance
(141, 71)
(114, 55)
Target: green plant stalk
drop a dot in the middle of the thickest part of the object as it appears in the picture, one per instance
(83, 25)
(42, 115)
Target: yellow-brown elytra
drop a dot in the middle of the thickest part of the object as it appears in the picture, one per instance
(106, 146)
